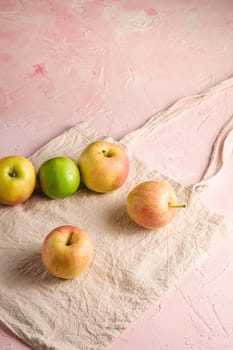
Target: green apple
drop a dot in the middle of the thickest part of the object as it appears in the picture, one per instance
(17, 180)
(59, 177)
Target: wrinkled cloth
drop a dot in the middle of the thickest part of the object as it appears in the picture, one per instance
(132, 266)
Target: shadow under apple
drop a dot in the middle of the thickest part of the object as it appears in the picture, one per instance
(29, 270)
(118, 219)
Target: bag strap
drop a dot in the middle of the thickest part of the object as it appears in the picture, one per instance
(172, 112)
(221, 152)
(222, 147)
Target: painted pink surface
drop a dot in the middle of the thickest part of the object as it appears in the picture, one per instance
(114, 64)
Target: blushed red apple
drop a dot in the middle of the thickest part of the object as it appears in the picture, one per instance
(67, 251)
(17, 180)
(152, 204)
(104, 166)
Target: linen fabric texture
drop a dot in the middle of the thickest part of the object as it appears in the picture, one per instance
(132, 266)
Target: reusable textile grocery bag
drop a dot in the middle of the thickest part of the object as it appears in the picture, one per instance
(132, 266)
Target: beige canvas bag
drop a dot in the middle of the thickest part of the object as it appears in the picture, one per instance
(132, 267)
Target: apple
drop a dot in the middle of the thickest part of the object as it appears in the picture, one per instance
(104, 166)
(17, 180)
(152, 204)
(59, 177)
(67, 252)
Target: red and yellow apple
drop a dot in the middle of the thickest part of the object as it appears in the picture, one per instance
(67, 252)
(104, 166)
(17, 180)
(59, 177)
(152, 204)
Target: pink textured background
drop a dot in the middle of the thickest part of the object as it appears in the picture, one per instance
(114, 64)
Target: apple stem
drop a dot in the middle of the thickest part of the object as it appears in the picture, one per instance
(176, 205)
(69, 239)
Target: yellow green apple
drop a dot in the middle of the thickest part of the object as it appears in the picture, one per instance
(104, 166)
(59, 177)
(17, 180)
(67, 252)
(152, 204)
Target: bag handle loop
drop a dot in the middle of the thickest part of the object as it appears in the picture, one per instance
(172, 112)
(223, 144)
(221, 151)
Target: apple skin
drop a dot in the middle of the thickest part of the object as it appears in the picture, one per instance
(148, 204)
(104, 166)
(17, 180)
(67, 252)
(59, 177)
